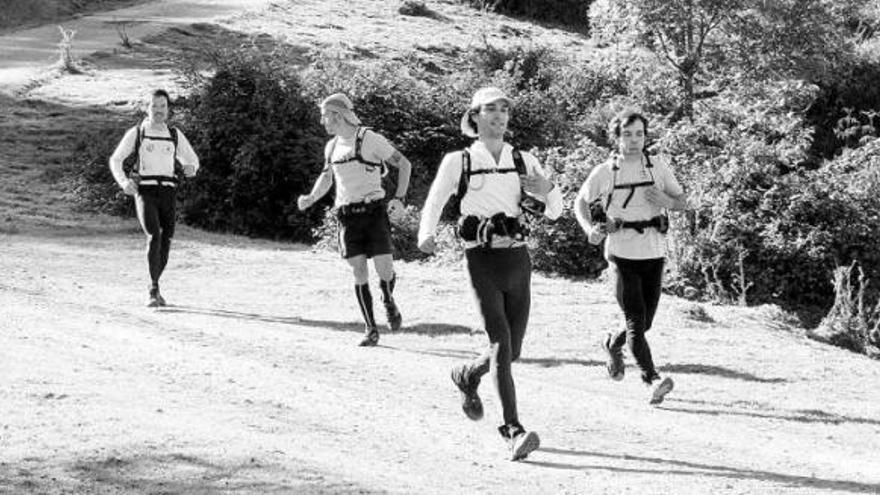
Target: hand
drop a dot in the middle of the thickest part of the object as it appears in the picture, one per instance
(537, 185)
(396, 210)
(611, 225)
(130, 187)
(428, 246)
(304, 202)
(189, 170)
(658, 198)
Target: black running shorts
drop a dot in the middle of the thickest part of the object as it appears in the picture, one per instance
(367, 233)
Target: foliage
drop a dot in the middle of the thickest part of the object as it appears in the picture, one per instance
(561, 246)
(417, 8)
(88, 176)
(260, 144)
(763, 227)
(571, 13)
(851, 323)
(702, 39)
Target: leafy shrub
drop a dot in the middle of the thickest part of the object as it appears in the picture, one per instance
(88, 177)
(417, 8)
(261, 145)
(561, 246)
(762, 224)
(571, 13)
(849, 322)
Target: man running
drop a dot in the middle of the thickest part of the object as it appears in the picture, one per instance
(355, 159)
(492, 179)
(163, 153)
(626, 199)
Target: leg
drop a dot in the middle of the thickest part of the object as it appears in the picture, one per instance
(485, 270)
(148, 217)
(652, 284)
(518, 299)
(167, 220)
(631, 300)
(384, 265)
(364, 299)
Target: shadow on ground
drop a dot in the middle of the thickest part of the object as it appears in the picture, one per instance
(710, 408)
(168, 473)
(686, 468)
(707, 369)
(430, 329)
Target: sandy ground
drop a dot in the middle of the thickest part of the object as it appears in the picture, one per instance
(250, 382)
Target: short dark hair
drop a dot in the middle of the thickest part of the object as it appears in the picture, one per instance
(162, 92)
(623, 119)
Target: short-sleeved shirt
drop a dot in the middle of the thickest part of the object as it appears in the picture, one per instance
(629, 243)
(356, 181)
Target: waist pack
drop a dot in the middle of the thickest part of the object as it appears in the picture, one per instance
(482, 230)
(360, 208)
(661, 223)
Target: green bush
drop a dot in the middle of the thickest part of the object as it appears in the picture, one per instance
(88, 176)
(571, 13)
(260, 142)
(561, 246)
(763, 224)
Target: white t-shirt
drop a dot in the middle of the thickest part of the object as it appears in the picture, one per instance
(156, 156)
(488, 194)
(629, 243)
(356, 181)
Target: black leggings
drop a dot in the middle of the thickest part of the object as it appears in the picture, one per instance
(638, 292)
(501, 279)
(155, 207)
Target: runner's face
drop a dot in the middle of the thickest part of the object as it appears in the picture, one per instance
(330, 120)
(632, 138)
(158, 109)
(492, 119)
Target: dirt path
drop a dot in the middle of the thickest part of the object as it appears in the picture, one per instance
(25, 55)
(251, 383)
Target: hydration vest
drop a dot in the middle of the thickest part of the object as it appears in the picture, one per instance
(357, 156)
(160, 179)
(527, 203)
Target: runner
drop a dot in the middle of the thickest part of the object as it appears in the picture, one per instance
(355, 160)
(626, 199)
(493, 178)
(163, 154)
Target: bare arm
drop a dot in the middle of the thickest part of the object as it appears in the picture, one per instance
(405, 167)
(321, 187)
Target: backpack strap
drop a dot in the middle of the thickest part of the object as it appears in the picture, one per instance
(328, 153)
(631, 185)
(465, 178)
(518, 163)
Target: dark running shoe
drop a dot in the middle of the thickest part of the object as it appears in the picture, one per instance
(160, 299)
(660, 389)
(614, 365)
(395, 319)
(371, 337)
(467, 385)
(155, 299)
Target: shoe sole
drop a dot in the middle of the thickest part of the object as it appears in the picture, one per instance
(472, 408)
(611, 374)
(528, 445)
(660, 392)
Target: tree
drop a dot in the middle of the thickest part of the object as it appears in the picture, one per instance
(703, 39)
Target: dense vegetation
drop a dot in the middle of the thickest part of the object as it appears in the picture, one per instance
(769, 112)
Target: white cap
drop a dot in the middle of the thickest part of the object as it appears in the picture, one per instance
(483, 96)
(340, 103)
